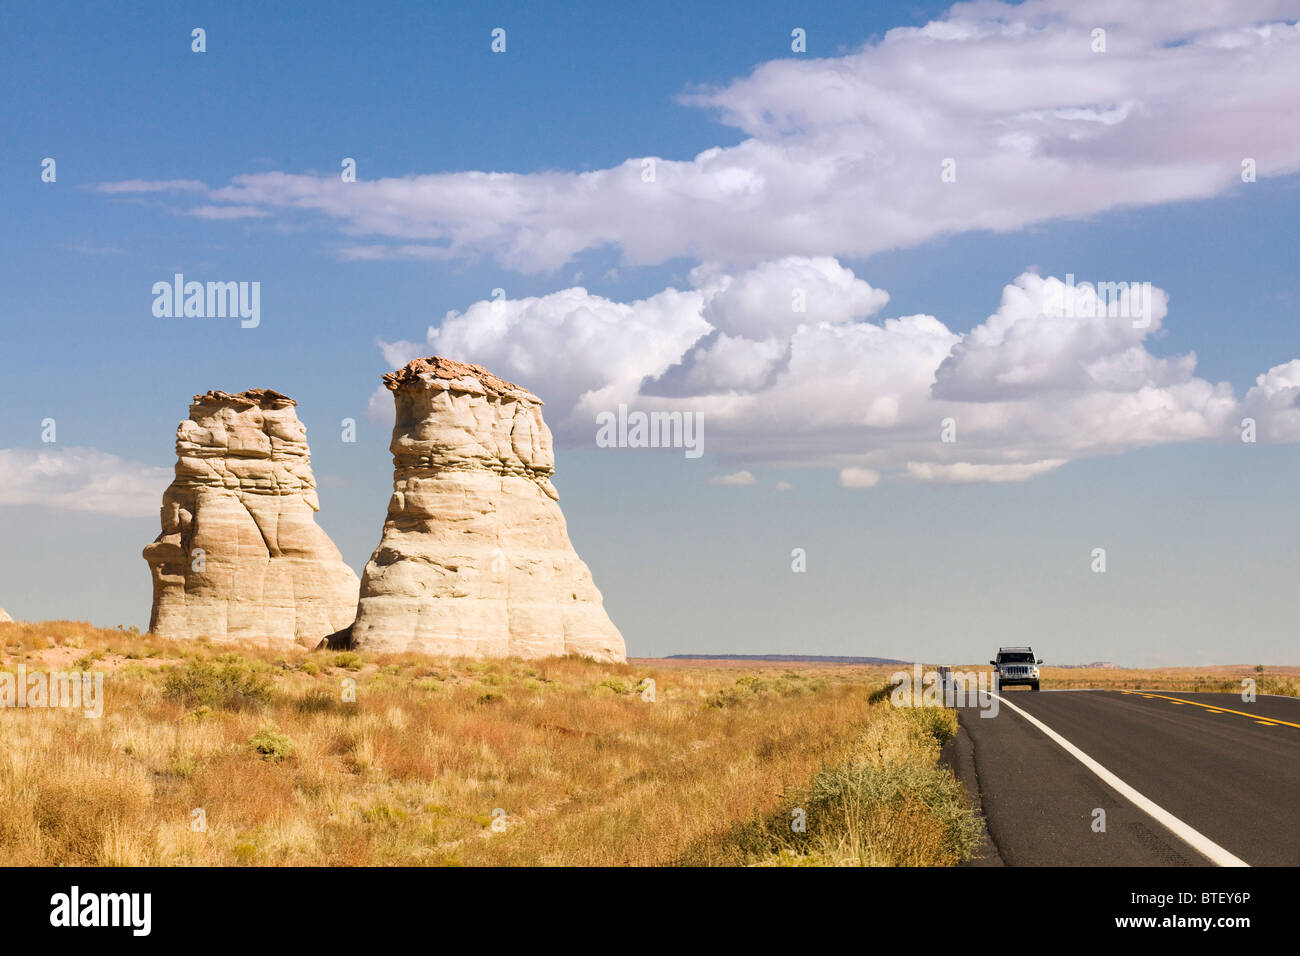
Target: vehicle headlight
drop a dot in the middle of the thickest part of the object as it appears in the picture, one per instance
(1035, 671)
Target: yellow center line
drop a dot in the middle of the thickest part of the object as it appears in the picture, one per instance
(1215, 708)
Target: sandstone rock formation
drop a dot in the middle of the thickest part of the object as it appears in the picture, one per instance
(475, 558)
(5, 618)
(240, 556)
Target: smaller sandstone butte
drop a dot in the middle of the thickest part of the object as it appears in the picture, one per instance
(475, 558)
(5, 618)
(240, 556)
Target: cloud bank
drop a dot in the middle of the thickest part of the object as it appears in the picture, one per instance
(994, 117)
(80, 479)
(843, 155)
(788, 366)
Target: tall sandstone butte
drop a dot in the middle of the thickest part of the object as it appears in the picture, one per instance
(240, 556)
(475, 559)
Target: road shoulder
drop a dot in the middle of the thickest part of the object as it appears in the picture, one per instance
(959, 755)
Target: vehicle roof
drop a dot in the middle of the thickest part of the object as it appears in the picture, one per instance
(1015, 649)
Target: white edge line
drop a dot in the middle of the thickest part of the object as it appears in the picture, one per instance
(1193, 838)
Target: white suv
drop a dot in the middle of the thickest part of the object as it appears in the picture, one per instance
(1016, 665)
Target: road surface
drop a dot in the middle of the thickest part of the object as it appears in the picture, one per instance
(1228, 770)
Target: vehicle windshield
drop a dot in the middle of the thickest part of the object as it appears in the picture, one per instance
(1015, 657)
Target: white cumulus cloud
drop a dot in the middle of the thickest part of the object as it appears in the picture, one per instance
(1274, 401)
(842, 155)
(80, 479)
(855, 477)
(1031, 387)
(737, 478)
(960, 472)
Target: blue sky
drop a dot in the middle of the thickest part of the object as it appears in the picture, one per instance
(1117, 166)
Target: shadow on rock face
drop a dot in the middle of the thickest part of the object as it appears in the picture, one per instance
(338, 641)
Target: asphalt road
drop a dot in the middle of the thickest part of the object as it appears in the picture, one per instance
(1208, 759)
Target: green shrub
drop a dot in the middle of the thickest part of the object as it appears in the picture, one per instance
(939, 722)
(883, 692)
(227, 682)
(83, 663)
(346, 660)
(751, 688)
(199, 714)
(384, 814)
(724, 697)
(183, 765)
(319, 701)
(269, 744)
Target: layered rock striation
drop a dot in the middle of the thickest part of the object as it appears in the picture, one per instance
(475, 558)
(240, 556)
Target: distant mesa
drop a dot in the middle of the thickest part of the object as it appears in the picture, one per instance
(475, 557)
(1096, 665)
(240, 556)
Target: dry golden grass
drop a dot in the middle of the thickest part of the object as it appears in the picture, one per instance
(887, 803)
(577, 766)
(1216, 679)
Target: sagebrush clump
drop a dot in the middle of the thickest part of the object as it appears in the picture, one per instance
(228, 682)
